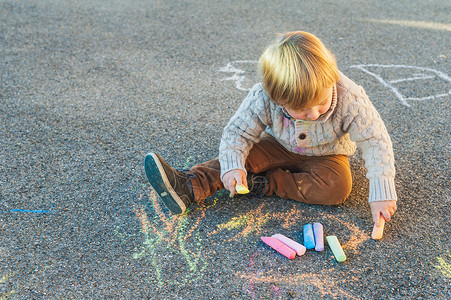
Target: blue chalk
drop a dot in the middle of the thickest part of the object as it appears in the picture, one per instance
(309, 239)
(31, 211)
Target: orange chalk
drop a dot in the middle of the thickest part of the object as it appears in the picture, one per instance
(279, 247)
(378, 231)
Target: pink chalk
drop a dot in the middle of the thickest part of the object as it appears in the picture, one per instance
(319, 236)
(279, 247)
(300, 249)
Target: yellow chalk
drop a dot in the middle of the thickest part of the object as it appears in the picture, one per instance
(241, 189)
(378, 231)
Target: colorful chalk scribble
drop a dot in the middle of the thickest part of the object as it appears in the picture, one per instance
(5, 291)
(260, 280)
(444, 264)
(357, 237)
(322, 282)
(252, 221)
(169, 237)
(166, 236)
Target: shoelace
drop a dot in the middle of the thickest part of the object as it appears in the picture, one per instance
(186, 173)
(259, 184)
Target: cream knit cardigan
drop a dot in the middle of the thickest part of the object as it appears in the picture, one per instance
(351, 120)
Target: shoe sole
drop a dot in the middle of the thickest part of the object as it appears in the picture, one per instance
(160, 183)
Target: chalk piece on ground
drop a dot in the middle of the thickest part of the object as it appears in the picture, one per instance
(279, 247)
(378, 231)
(300, 249)
(318, 231)
(309, 239)
(241, 189)
(335, 246)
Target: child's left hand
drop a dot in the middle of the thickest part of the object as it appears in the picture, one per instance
(386, 208)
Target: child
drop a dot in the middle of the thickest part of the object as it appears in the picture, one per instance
(291, 137)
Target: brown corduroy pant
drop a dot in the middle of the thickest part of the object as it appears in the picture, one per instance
(322, 180)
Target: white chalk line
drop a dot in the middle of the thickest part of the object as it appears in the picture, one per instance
(389, 84)
(230, 68)
(439, 74)
(423, 77)
(238, 77)
(430, 97)
(416, 24)
(385, 83)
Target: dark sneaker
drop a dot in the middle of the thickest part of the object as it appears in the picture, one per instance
(257, 183)
(173, 186)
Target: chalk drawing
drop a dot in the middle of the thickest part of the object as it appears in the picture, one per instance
(255, 276)
(251, 281)
(238, 69)
(251, 225)
(6, 292)
(325, 283)
(276, 290)
(416, 24)
(122, 236)
(31, 211)
(444, 264)
(166, 236)
(252, 221)
(358, 236)
(242, 71)
(26, 210)
(417, 73)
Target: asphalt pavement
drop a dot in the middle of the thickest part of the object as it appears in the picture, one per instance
(87, 88)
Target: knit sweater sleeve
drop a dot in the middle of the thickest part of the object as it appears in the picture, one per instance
(243, 130)
(366, 128)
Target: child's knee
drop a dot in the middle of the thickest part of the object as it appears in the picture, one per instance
(332, 192)
(338, 193)
(332, 198)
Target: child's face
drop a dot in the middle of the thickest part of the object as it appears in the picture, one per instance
(324, 101)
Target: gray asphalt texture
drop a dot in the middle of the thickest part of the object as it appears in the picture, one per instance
(87, 88)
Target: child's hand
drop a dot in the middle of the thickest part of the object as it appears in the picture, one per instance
(384, 208)
(233, 178)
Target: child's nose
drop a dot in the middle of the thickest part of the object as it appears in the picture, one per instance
(312, 115)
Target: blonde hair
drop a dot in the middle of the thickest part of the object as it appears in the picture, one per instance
(295, 67)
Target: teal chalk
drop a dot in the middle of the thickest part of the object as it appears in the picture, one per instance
(309, 238)
(335, 246)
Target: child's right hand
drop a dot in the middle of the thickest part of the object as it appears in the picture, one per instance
(386, 209)
(232, 178)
